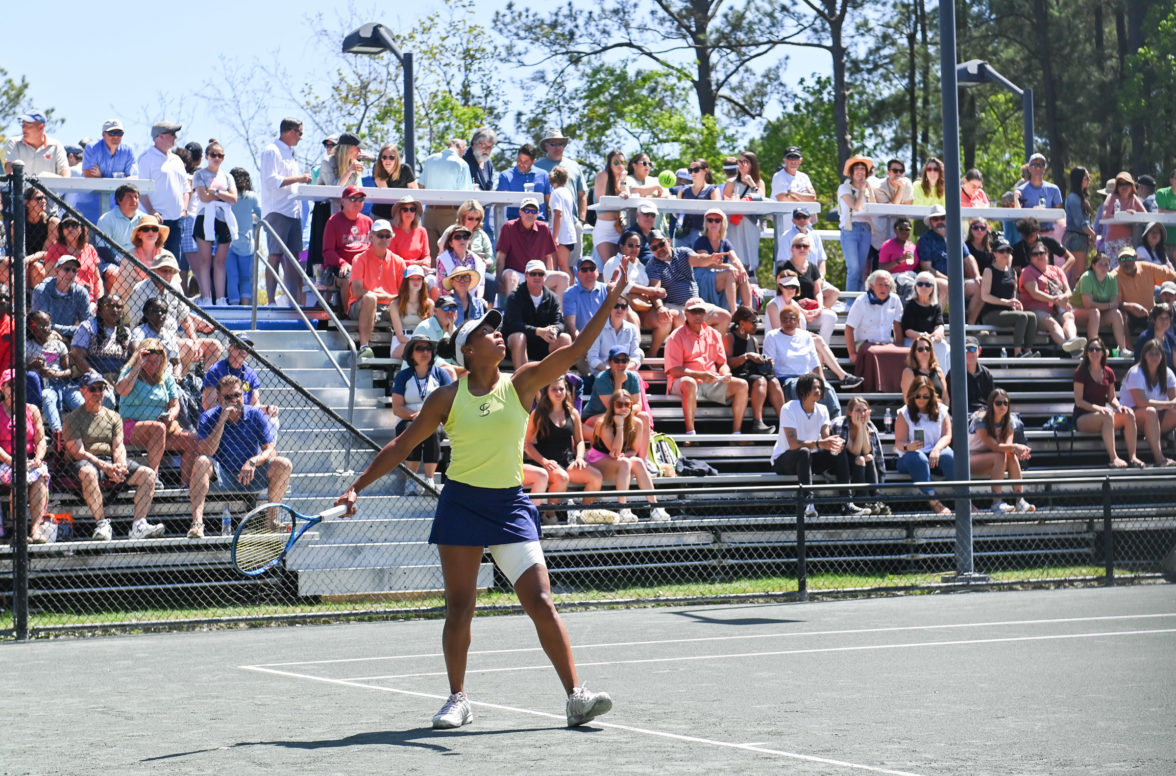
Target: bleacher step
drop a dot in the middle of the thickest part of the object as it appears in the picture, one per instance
(374, 581)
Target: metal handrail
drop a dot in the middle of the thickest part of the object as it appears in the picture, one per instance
(292, 260)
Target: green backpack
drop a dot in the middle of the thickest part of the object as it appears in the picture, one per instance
(663, 452)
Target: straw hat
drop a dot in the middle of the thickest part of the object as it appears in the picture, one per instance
(164, 231)
(855, 159)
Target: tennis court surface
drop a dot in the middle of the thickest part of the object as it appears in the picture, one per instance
(1038, 682)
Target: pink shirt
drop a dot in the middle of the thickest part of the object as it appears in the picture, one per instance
(979, 200)
(1030, 277)
(894, 250)
(702, 351)
(412, 246)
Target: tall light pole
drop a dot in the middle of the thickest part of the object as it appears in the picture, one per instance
(374, 38)
(976, 71)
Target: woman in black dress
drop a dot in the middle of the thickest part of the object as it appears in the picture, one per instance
(555, 441)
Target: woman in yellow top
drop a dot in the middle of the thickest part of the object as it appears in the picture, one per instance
(929, 188)
(485, 414)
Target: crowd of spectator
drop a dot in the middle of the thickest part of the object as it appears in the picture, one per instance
(103, 330)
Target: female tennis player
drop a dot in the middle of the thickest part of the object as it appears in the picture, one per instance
(483, 503)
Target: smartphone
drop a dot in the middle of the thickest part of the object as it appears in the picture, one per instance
(919, 436)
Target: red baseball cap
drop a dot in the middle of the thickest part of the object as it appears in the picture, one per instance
(353, 191)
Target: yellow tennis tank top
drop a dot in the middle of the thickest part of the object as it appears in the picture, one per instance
(486, 436)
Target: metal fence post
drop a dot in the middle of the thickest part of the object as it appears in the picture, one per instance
(20, 475)
(1108, 535)
(801, 552)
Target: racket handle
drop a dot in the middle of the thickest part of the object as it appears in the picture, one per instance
(333, 512)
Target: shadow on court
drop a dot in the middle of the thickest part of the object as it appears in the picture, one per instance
(716, 616)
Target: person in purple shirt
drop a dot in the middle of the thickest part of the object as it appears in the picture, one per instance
(237, 453)
(524, 174)
(106, 159)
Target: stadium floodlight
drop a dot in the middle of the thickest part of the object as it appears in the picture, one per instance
(975, 72)
(372, 39)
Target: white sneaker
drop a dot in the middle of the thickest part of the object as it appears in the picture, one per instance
(627, 516)
(1001, 508)
(1075, 345)
(810, 511)
(574, 517)
(455, 713)
(46, 532)
(584, 705)
(141, 529)
(1125, 353)
(659, 515)
(222, 301)
(102, 531)
(1025, 506)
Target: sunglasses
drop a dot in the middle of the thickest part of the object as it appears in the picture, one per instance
(923, 284)
(902, 228)
(215, 156)
(536, 274)
(96, 388)
(382, 235)
(409, 209)
(644, 163)
(68, 269)
(115, 133)
(622, 404)
(618, 163)
(922, 349)
(449, 308)
(461, 278)
(657, 246)
(621, 360)
(423, 349)
(938, 220)
(695, 169)
(530, 210)
(473, 219)
(1003, 250)
(360, 198)
(232, 396)
(153, 352)
(588, 268)
(461, 238)
(79, 226)
(971, 349)
(389, 157)
(714, 220)
(1038, 253)
(148, 228)
(631, 245)
(1037, 164)
(897, 170)
(1096, 349)
(801, 217)
(697, 310)
(979, 228)
(923, 396)
(803, 247)
(620, 306)
(1000, 403)
(933, 168)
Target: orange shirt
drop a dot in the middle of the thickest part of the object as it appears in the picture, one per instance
(376, 274)
(1141, 289)
(703, 351)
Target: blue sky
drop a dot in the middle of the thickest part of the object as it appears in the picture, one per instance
(143, 62)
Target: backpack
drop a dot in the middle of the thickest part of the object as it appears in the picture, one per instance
(663, 451)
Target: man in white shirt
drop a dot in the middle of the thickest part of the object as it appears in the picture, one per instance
(894, 189)
(875, 317)
(792, 352)
(789, 184)
(41, 154)
(806, 442)
(166, 170)
(445, 170)
(279, 174)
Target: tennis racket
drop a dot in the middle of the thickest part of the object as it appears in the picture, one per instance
(267, 533)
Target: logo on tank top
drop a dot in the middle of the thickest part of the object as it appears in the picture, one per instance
(484, 409)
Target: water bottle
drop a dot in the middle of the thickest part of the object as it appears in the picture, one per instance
(888, 421)
(1118, 206)
(226, 523)
(1004, 352)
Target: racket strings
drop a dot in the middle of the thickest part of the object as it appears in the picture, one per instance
(261, 539)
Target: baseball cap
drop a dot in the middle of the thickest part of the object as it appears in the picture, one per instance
(682, 173)
(656, 234)
(647, 207)
(73, 149)
(617, 350)
(1002, 245)
(695, 303)
(32, 117)
(971, 342)
(332, 139)
(792, 152)
(1037, 158)
(240, 341)
(528, 201)
(534, 265)
(92, 378)
(348, 138)
(165, 259)
(800, 213)
(111, 125)
(790, 280)
(7, 376)
(163, 128)
(587, 260)
(493, 318)
(414, 271)
(446, 301)
(67, 259)
(1168, 287)
(354, 191)
(380, 225)
(1127, 252)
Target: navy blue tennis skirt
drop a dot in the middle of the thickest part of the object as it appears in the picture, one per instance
(469, 516)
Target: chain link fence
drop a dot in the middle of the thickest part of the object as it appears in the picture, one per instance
(750, 542)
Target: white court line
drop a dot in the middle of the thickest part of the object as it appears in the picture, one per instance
(684, 658)
(758, 749)
(578, 647)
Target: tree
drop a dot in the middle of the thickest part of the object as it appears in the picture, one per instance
(13, 100)
(714, 49)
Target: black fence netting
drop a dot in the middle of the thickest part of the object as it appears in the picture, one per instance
(142, 537)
